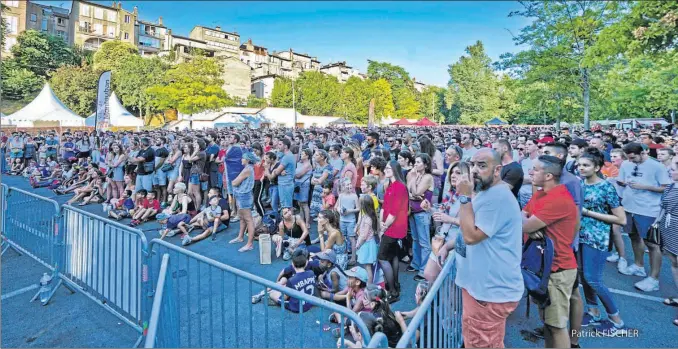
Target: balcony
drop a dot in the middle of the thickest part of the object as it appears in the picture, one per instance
(89, 31)
(91, 46)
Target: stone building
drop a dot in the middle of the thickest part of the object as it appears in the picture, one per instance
(93, 24)
(237, 76)
(15, 16)
(341, 71)
(218, 39)
(262, 86)
(49, 19)
(151, 37)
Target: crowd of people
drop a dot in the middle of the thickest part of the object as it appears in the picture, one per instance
(347, 206)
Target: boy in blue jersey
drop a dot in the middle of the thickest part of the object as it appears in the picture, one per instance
(303, 281)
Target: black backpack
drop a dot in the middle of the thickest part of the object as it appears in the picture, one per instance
(536, 269)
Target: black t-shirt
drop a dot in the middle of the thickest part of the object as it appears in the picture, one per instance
(313, 265)
(513, 175)
(162, 153)
(223, 203)
(148, 166)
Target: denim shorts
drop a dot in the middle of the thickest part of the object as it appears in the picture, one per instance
(638, 224)
(347, 229)
(160, 178)
(286, 192)
(194, 179)
(244, 201)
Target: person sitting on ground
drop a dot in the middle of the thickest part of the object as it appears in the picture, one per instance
(303, 281)
(328, 221)
(139, 198)
(181, 209)
(354, 293)
(78, 181)
(122, 206)
(82, 192)
(54, 179)
(150, 206)
(334, 279)
(419, 295)
(292, 233)
(381, 319)
(17, 167)
(96, 195)
(209, 220)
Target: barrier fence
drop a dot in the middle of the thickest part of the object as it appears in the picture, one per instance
(107, 261)
(164, 307)
(437, 323)
(213, 307)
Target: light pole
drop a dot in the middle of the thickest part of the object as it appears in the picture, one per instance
(294, 108)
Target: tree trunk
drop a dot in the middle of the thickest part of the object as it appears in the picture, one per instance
(673, 116)
(587, 97)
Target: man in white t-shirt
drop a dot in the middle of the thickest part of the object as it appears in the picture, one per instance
(644, 181)
(490, 276)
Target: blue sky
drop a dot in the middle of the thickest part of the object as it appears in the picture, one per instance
(422, 37)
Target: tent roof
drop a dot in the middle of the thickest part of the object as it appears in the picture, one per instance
(47, 107)
(120, 117)
(425, 122)
(495, 121)
(402, 122)
(341, 121)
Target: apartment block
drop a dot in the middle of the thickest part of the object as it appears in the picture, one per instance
(94, 24)
(262, 86)
(151, 37)
(341, 71)
(49, 19)
(15, 17)
(218, 39)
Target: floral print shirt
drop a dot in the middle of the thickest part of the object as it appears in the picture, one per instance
(601, 198)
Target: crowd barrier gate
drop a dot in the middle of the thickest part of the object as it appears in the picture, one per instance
(213, 307)
(438, 320)
(107, 262)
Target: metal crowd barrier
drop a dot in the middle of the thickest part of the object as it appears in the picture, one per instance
(213, 307)
(379, 340)
(437, 323)
(107, 262)
(31, 226)
(164, 307)
(3, 206)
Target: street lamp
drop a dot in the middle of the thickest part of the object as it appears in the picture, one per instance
(294, 108)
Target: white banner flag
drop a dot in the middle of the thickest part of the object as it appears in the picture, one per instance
(103, 92)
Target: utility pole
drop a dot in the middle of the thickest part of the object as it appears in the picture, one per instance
(294, 108)
(433, 105)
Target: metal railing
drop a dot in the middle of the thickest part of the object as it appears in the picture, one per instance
(437, 323)
(379, 340)
(213, 307)
(164, 307)
(107, 261)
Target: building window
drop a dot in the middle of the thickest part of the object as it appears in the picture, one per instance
(9, 42)
(34, 17)
(12, 3)
(44, 24)
(112, 16)
(126, 36)
(126, 18)
(85, 10)
(61, 22)
(12, 24)
(98, 28)
(111, 31)
(98, 13)
(61, 34)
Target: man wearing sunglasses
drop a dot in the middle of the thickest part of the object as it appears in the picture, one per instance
(644, 181)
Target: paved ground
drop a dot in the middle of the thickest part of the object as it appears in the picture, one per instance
(640, 311)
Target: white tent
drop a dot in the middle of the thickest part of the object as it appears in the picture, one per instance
(119, 116)
(44, 111)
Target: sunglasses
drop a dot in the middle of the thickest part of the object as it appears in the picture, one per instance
(521, 148)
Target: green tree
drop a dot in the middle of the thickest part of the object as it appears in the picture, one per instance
(76, 87)
(18, 83)
(254, 102)
(191, 87)
(562, 42)
(133, 77)
(319, 93)
(475, 86)
(42, 53)
(354, 103)
(432, 103)
(281, 95)
(406, 103)
(113, 54)
(383, 99)
(397, 76)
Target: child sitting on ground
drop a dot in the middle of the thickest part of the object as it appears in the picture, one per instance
(139, 198)
(150, 206)
(122, 206)
(17, 167)
(209, 220)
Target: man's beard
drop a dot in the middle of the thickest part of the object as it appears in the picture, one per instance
(481, 184)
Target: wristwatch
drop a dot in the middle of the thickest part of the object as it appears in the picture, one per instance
(464, 199)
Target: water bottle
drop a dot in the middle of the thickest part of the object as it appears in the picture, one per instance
(45, 280)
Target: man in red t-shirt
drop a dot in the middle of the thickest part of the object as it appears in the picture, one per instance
(552, 211)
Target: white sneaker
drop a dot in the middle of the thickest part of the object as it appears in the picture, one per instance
(186, 240)
(172, 232)
(235, 219)
(622, 264)
(648, 284)
(634, 270)
(613, 258)
(315, 241)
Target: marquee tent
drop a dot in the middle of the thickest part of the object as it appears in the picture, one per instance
(495, 122)
(119, 116)
(401, 122)
(46, 110)
(425, 122)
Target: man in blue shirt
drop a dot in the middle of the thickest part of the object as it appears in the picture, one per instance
(69, 149)
(233, 163)
(52, 147)
(285, 173)
(372, 143)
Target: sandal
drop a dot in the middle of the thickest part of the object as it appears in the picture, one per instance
(245, 248)
(671, 302)
(235, 241)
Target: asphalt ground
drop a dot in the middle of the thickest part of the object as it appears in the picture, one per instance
(204, 291)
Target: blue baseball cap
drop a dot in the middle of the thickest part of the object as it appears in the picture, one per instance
(357, 272)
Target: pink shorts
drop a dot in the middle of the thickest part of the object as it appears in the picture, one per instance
(484, 323)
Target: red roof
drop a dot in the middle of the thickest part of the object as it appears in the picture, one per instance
(425, 122)
(402, 122)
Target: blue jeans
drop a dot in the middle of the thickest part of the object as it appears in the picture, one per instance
(144, 182)
(420, 224)
(275, 200)
(286, 193)
(593, 264)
